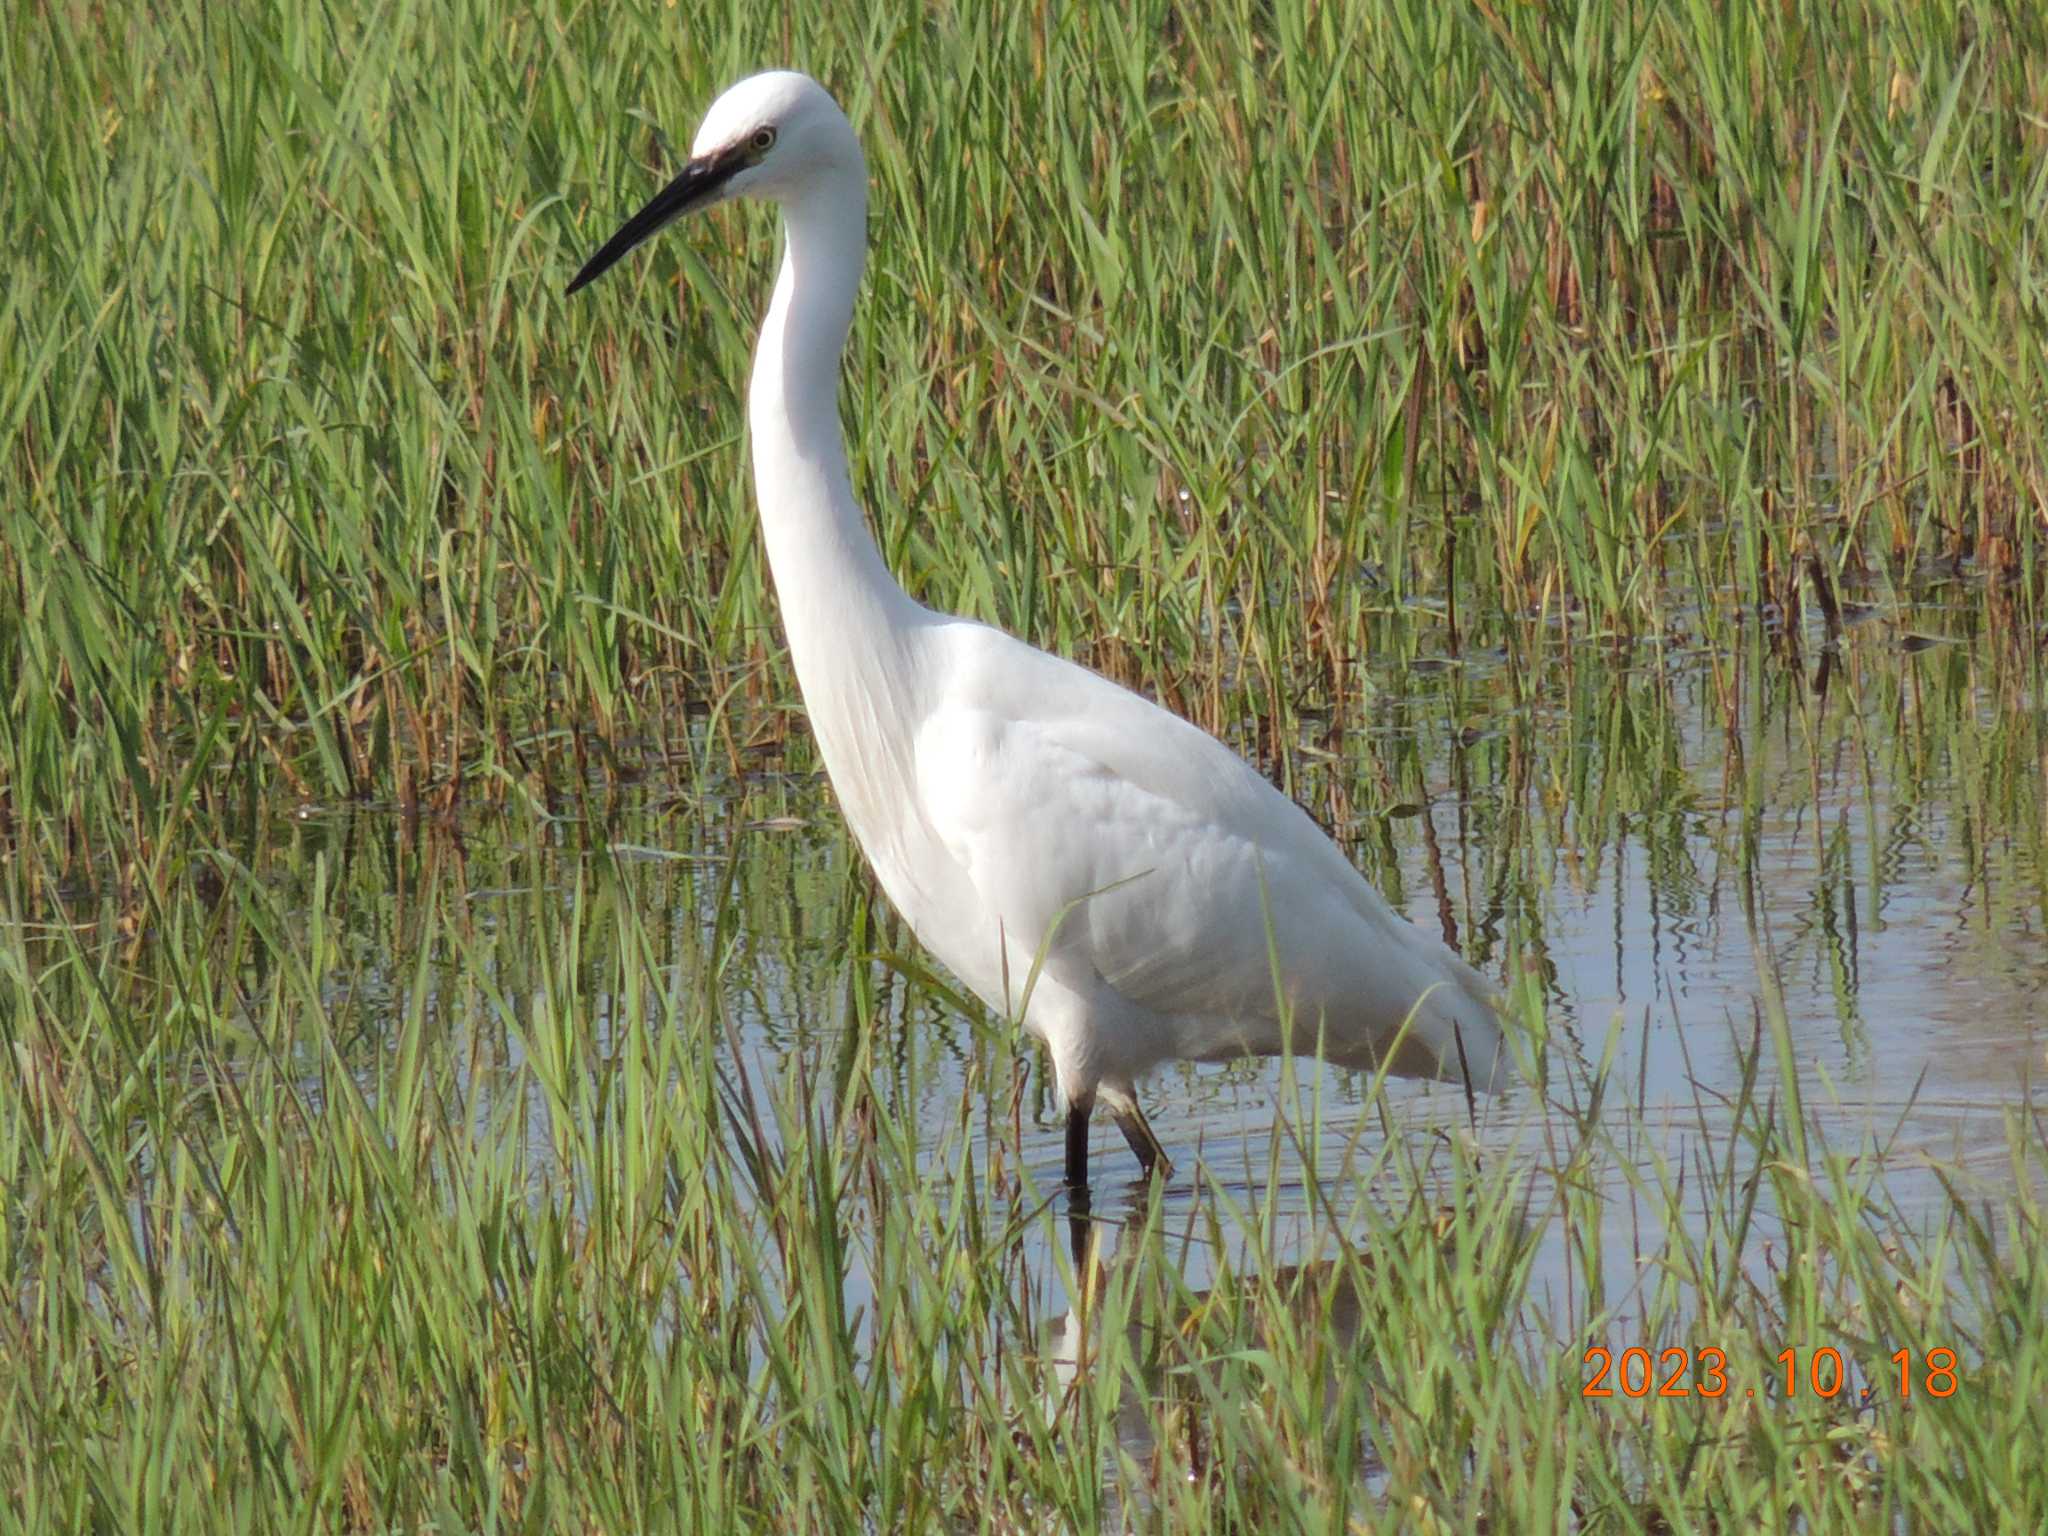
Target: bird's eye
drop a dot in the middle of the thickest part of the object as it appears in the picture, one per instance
(764, 139)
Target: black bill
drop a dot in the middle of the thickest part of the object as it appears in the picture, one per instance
(694, 187)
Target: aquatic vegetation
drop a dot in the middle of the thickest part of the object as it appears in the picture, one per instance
(452, 1068)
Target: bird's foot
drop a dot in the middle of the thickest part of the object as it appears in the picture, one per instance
(1151, 1155)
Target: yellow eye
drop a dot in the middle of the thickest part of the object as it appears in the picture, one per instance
(763, 140)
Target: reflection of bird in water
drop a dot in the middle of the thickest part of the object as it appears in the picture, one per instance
(1076, 854)
(1320, 1301)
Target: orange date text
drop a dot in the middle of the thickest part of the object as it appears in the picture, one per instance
(1703, 1372)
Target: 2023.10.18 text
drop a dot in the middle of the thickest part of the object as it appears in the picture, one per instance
(1703, 1372)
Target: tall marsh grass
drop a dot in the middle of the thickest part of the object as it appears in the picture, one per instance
(1223, 348)
(1180, 326)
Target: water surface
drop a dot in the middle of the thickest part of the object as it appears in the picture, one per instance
(1705, 860)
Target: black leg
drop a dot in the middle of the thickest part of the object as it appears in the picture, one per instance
(1077, 1149)
(1151, 1156)
(1077, 1185)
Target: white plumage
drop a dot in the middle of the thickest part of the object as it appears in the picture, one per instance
(1033, 821)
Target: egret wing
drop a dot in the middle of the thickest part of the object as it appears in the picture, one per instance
(1129, 847)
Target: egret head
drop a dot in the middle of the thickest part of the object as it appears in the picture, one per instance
(771, 135)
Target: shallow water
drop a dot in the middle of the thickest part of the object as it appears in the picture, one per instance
(1676, 845)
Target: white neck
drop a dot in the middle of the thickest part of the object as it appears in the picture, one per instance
(846, 618)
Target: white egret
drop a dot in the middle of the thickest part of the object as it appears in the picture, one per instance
(1033, 821)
